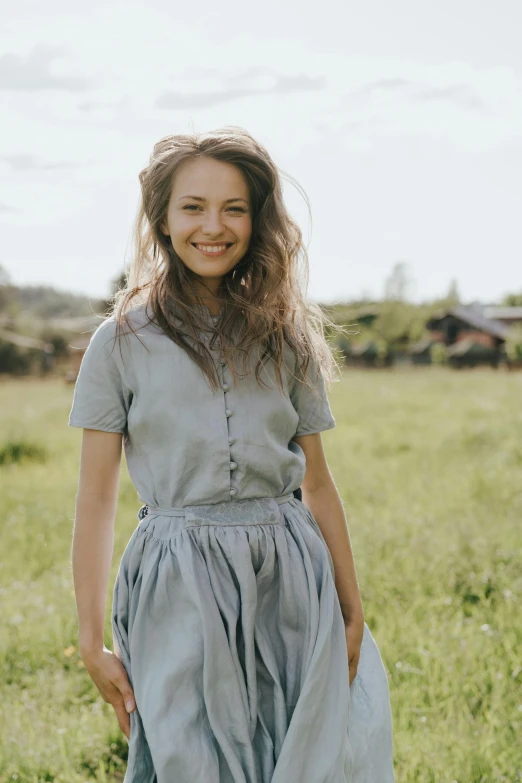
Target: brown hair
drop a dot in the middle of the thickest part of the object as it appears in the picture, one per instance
(262, 298)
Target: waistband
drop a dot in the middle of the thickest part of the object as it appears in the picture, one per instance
(248, 511)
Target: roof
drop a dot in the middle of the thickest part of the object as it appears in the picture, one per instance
(504, 313)
(367, 348)
(423, 345)
(22, 340)
(469, 347)
(474, 316)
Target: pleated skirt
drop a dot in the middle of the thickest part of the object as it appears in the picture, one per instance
(227, 621)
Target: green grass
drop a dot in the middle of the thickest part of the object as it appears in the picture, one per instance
(429, 465)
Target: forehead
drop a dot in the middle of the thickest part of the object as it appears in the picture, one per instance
(209, 179)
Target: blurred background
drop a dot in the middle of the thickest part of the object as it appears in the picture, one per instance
(402, 122)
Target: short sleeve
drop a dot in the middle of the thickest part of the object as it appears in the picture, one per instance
(314, 410)
(99, 401)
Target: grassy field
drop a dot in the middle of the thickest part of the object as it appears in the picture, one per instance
(429, 465)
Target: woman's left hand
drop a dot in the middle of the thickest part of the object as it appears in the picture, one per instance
(354, 629)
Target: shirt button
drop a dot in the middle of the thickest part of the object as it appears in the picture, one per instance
(233, 465)
(231, 441)
(233, 491)
(225, 387)
(228, 413)
(223, 363)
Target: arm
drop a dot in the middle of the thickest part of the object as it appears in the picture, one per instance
(321, 497)
(92, 550)
(93, 536)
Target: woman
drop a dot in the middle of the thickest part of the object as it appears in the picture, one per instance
(240, 649)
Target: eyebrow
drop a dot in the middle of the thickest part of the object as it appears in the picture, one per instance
(199, 198)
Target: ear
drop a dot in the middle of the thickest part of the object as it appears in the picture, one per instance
(164, 228)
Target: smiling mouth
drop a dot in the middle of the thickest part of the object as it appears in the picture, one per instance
(212, 250)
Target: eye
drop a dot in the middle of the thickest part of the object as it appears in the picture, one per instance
(191, 207)
(238, 209)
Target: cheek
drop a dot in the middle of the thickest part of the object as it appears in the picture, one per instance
(246, 232)
(181, 228)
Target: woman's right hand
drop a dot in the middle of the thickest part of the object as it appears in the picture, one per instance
(108, 674)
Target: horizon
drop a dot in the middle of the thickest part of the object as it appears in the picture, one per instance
(327, 303)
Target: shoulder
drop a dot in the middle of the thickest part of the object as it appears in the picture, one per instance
(104, 332)
(132, 323)
(139, 318)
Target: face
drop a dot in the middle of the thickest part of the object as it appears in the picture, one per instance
(208, 218)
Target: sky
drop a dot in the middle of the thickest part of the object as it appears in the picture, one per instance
(401, 121)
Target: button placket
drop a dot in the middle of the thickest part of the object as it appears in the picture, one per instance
(228, 413)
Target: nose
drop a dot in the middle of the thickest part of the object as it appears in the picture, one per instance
(213, 223)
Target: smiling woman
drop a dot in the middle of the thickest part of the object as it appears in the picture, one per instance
(241, 654)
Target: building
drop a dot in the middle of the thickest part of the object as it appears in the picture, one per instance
(471, 337)
(509, 316)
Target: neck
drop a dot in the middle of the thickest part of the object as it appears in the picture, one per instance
(207, 294)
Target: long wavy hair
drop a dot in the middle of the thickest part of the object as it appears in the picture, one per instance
(262, 298)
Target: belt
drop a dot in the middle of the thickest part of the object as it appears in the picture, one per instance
(230, 504)
(164, 523)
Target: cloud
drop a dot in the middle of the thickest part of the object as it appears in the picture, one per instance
(88, 106)
(4, 208)
(30, 163)
(280, 85)
(459, 94)
(33, 72)
(383, 85)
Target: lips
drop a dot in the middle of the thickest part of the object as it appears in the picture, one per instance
(212, 249)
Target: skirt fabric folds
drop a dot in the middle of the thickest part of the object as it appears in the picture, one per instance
(227, 621)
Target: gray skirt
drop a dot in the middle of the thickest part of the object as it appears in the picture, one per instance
(227, 621)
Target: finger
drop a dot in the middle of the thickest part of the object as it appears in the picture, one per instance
(123, 718)
(123, 685)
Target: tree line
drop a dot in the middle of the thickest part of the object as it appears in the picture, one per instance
(43, 313)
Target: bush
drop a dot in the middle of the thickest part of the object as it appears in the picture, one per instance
(439, 354)
(514, 345)
(14, 452)
(16, 360)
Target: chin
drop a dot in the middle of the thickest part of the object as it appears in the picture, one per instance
(212, 269)
(208, 269)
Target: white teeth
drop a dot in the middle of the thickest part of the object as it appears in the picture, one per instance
(212, 248)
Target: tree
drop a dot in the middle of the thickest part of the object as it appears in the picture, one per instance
(5, 277)
(453, 295)
(396, 315)
(512, 300)
(398, 285)
(116, 284)
(119, 282)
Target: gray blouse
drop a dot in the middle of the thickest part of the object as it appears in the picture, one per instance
(184, 443)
